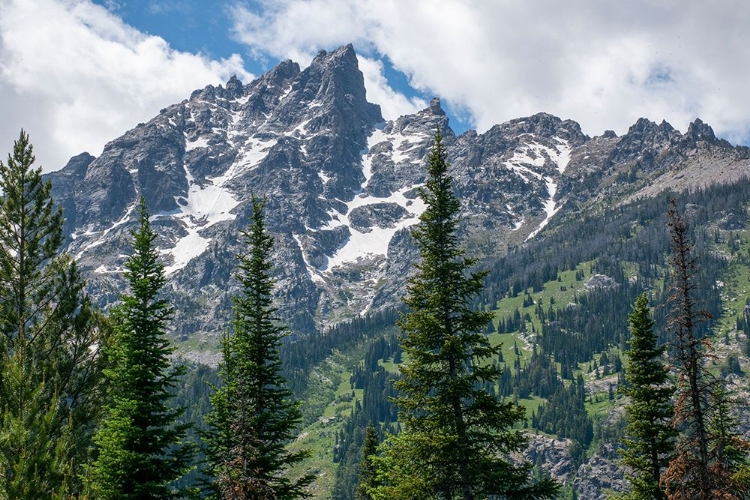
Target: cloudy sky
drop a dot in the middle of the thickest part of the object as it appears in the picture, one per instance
(78, 73)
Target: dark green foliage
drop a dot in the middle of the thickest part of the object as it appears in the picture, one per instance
(139, 442)
(375, 407)
(626, 233)
(193, 393)
(50, 368)
(574, 335)
(727, 443)
(457, 436)
(649, 436)
(367, 469)
(701, 468)
(300, 356)
(347, 453)
(565, 414)
(732, 365)
(254, 415)
(538, 377)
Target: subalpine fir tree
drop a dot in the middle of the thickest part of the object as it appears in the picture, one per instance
(254, 415)
(456, 436)
(50, 367)
(367, 470)
(701, 468)
(649, 436)
(140, 440)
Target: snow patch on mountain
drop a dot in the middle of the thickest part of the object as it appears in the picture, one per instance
(405, 144)
(401, 145)
(104, 270)
(314, 275)
(243, 100)
(550, 207)
(300, 131)
(200, 142)
(561, 156)
(376, 240)
(375, 138)
(207, 204)
(284, 93)
(249, 156)
(103, 234)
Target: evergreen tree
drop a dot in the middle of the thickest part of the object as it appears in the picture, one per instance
(254, 416)
(649, 436)
(140, 441)
(728, 444)
(50, 367)
(367, 471)
(457, 436)
(701, 468)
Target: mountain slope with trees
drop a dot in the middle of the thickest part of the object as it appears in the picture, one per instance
(341, 188)
(572, 230)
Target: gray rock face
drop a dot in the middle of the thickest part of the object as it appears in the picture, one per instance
(601, 474)
(598, 475)
(341, 189)
(601, 281)
(552, 456)
(382, 215)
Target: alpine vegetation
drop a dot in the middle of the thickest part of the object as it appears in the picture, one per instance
(50, 340)
(456, 436)
(140, 446)
(514, 368)
(254, 415)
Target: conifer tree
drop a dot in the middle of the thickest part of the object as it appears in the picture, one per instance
(254, 416)
(701, 468)
(649, 436)
(456, 435)
(140, 441)
(367, 470)
(50, 367)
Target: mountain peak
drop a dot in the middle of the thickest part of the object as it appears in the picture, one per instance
(647, 130)
(642, 125)
(281, 73)
(343, 55)
(340, 183)
(234, 86)
(435, 108)
(335, 77)
(700, 131)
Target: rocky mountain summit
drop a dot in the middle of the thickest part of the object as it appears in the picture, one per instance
(341, 187)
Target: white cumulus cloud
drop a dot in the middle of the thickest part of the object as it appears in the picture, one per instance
(75, 76)
(604, 64)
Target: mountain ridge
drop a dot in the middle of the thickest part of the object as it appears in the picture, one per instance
(341, 188)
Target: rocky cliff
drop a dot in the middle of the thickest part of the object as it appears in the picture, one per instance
(341, 189)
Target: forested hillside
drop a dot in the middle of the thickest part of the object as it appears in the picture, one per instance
(548, 327)
(561, 307)
(267, 291)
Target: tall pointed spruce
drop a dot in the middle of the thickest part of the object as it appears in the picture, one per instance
(140, 441)
(50, 368)
(367, 470)
(649, 436)
(456, 435)
(254, 416)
